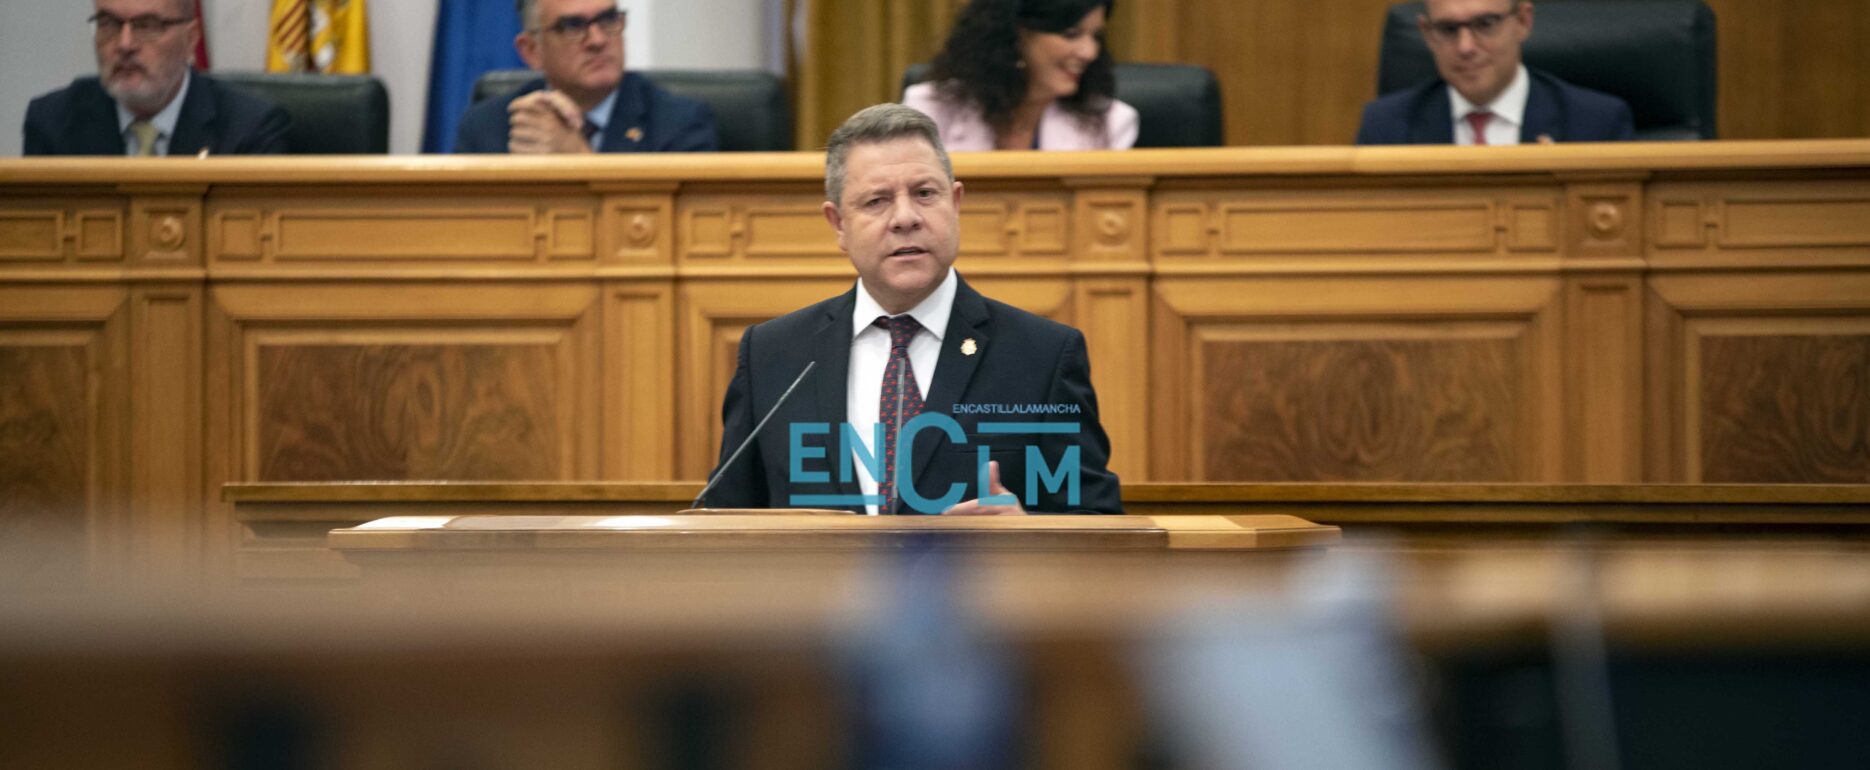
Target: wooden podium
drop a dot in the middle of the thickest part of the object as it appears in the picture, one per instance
(645, 556)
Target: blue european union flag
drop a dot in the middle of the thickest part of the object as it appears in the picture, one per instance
(471, 37)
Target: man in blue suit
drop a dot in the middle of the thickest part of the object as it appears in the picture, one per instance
(1485, 95)
(145, 100)
(910, 344)
(585, 102)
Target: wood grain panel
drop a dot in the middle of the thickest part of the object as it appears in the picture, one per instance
(406, 226)
(31, 235)
(1603, 378)
(768, 224)
(368, 234)
(1273, 222)
(46, 446)
(1011, 225)
(56, 229)
(1287, 378)
(1751, 375)
(1299, 228)
(398, 411)
(166, 430)
(1114, 316)
(1810, 222)
(1769, 223)
(1360, 409)
(639, 381)
(1785, 408)
(64, 431)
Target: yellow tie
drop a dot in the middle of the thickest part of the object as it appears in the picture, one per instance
(145, 133)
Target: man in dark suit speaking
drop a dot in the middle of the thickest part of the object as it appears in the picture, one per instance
(585, 101)
(925, 397)
(1485, 96)
(145, 100)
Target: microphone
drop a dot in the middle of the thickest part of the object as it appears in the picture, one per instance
(755, 434)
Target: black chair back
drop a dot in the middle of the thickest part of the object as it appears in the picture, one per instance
(1658, 56)
(331, 114)
(1177, 105)
(751, 111)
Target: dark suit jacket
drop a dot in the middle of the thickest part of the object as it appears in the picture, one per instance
(667, 123)
(81, 119)
(1020, 359)
(1554, 108)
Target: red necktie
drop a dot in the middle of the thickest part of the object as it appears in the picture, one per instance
(895, 408)
(1478, 120)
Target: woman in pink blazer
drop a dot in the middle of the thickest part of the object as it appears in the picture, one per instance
(1026, 75)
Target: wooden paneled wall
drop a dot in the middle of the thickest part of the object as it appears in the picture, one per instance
(1603, 314)
(1299, 71)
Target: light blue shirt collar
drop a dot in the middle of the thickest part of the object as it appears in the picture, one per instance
(600, 116)
(164, 121)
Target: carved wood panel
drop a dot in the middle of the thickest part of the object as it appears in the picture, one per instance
(462, 410)
(1276, 406)
(1759, 377)
(1426, 379)
(55, 230)
(402, 228)
(46, 443)
(63, 433)
(384, 381)
(1278, 222)
(1760, 222)
(1785, 408)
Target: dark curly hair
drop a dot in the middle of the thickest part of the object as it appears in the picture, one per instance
(980, 63)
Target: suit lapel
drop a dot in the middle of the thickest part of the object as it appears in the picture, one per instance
(832, 351)
(626, 118)
(1432, 122)
(1542, 114)
(954, 370)
(94, 128)
(195, 127)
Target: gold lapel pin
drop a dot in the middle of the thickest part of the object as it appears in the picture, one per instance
(634, 134)
(968, 347)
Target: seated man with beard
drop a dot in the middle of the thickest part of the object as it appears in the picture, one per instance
(145, 100)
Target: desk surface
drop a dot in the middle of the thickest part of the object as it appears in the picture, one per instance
(1175, 492)
(1764, 505)
(718, 532)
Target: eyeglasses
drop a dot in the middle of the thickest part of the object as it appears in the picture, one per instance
(1484, 27)
(575, 27)
(143, 28)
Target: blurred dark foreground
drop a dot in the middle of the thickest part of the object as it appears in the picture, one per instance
(1546, 655)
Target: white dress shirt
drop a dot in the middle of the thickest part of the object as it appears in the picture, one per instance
(870, 355)
(1509, 112)
(164, 122)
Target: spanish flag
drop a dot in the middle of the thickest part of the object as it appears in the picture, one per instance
(329, 36)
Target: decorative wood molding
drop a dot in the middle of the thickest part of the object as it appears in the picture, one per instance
(1614, 312)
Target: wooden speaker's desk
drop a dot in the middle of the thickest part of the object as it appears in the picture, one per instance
(1602, 313)
(800, 559)
(286, 526)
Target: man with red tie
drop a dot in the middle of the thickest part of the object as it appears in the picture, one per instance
(1485, 95)
(1005, 395)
